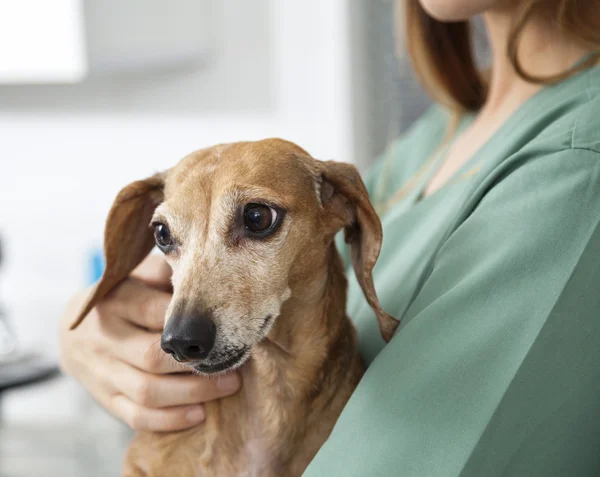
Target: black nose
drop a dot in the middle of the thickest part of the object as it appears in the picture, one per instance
(188, 338)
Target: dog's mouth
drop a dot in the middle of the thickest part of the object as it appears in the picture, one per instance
(227, 364)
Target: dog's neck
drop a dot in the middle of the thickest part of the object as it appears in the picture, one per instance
(300, 370)
(311, 319)
(294, 388)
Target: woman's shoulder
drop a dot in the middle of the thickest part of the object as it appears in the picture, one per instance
(574, 124)
(586, 125)
(550, 167)
(564, 136)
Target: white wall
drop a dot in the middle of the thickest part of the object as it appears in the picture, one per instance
(60, 171)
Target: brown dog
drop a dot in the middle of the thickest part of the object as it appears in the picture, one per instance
(248, 229)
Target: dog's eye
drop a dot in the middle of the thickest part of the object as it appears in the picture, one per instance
(163, 237)
(259, 218)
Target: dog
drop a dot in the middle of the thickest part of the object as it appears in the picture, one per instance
(258, 284)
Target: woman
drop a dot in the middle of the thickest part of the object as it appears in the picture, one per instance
(491, 257)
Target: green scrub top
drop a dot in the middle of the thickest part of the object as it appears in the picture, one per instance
(495, 368)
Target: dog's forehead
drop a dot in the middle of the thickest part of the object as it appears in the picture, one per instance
(273, 164)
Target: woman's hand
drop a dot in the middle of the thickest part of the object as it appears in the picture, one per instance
(115, 353)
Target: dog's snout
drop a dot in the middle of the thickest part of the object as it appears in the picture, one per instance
(189, 338)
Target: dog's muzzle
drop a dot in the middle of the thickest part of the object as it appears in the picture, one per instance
(189, 338)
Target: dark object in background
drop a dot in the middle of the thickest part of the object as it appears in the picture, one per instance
(7, 341)
(18, 368)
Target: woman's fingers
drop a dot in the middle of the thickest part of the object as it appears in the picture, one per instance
(155, 272)
(142, 418)
(137, 347)
(135, 302)
(175, 390)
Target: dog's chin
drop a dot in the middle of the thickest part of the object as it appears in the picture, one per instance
(228, 364)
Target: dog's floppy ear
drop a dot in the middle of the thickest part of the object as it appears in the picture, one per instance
(345, 197)
(128, 238)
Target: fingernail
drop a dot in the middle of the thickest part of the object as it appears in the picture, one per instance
(229, 383)
(195, 415)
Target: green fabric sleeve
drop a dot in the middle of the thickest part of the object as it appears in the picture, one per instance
(495, 370)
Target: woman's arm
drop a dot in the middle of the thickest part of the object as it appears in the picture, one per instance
(495, 370)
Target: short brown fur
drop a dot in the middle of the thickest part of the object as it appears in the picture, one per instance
(303, 367)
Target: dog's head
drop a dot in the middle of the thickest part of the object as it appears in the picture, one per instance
(244, 226)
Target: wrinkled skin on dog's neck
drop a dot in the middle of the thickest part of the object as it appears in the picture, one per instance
(307, 366)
